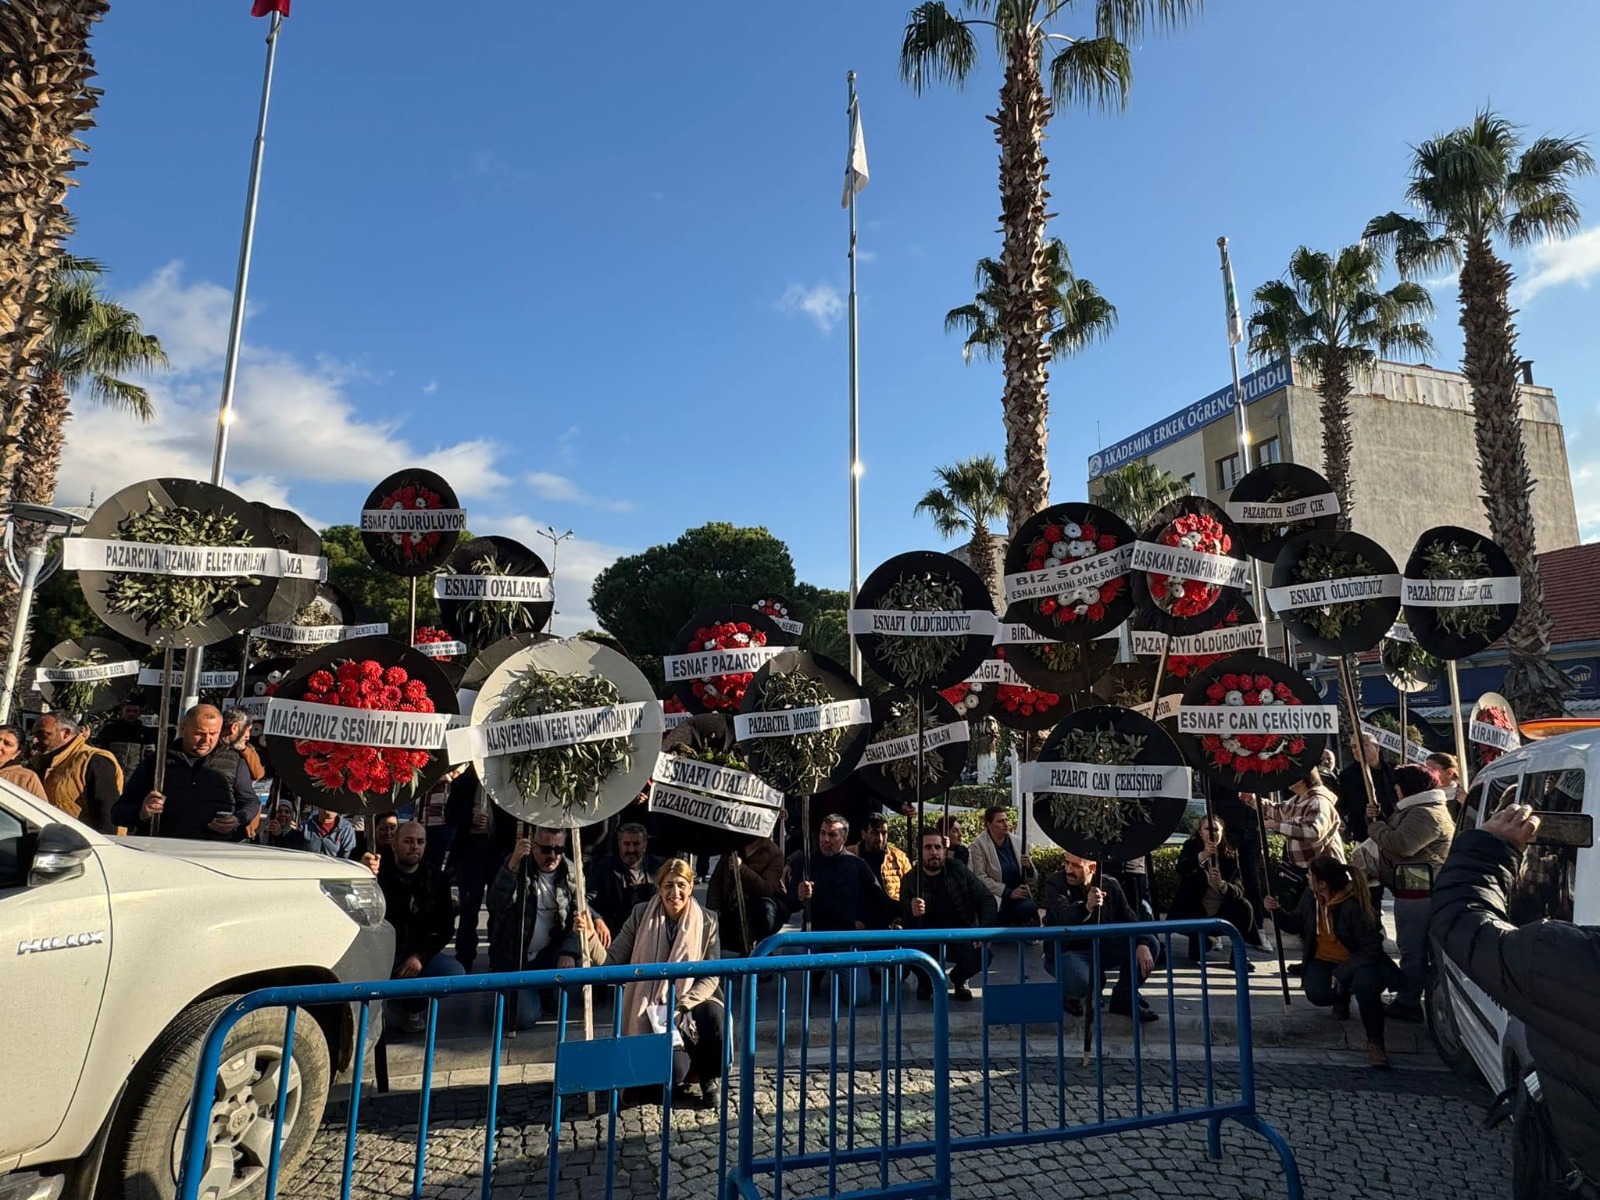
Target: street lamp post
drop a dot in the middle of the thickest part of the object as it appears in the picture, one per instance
(35, 568)
(549, 534)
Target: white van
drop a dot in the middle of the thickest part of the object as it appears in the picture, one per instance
(1474, 1035)
(116, 954)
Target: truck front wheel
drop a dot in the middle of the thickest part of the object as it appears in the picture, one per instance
(243, 1105)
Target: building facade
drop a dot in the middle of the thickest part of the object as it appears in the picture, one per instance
(1414, 463)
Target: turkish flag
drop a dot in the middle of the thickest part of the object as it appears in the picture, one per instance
(262, 7)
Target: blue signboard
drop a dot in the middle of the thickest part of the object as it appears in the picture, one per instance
(1181, 424)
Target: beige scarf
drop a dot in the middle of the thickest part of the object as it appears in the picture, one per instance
(650, 946)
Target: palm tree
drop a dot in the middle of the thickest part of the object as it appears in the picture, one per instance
(1138, 491)
(1469, 188)
(91, 340)
(45, 69)
(1331, 318)
(1090, 69)
(970, 498)
(1079, 314)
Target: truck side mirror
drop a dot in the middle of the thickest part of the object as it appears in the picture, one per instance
(58, 853)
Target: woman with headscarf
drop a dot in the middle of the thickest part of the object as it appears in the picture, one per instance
(672, 927)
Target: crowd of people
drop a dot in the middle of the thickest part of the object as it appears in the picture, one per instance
(1348, 844)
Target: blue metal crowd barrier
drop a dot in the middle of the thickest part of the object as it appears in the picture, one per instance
(1022, 1004)
(848, 1122)
(605, 1065)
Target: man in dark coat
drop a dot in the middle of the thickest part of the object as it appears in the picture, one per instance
(208, 793)
(1243, 832)
(532, 917)
(842, 890)
(1546, 975)
(1080, 894)
(125, 736)
(757, 873)
(943, 893)
(418, 904)
(619, 881)
(1353, 791)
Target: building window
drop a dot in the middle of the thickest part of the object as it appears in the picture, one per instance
(1188, 482)
(1228, 471)
(1269, 451)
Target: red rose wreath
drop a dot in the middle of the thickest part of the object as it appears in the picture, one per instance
(724, 693)
(1058, 545)
(411, 496)
(1190, 597)
(365, 769)
(428, 635)
(1263, 753)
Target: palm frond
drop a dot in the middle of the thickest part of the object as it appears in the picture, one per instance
(120, 394)
(1094, 72)
(1553, 215)
(1549, 164)
(1130, 20)
(937, 46)
(1084, 316)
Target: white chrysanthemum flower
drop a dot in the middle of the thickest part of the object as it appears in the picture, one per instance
(1235, 698)
(1059, 551)
(1071, 531)
(1267, 697)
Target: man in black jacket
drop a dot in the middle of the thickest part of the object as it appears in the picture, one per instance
(208, 793)
(125, 736)
(1353, 792)
(1080, 894)
(1546, 975)
(619, 881)
(943, 893)
(417, 901)
(842, 891)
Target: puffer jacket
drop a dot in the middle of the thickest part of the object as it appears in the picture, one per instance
(1546, 975)
(1418, 831)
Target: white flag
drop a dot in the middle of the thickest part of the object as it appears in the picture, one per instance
(855, 167)
(1231, 298)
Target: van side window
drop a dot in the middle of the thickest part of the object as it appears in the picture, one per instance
(12, 832)
(1548, 881)
(1469, 808)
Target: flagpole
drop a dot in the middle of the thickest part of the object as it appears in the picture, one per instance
(230, 367)
(855, 385)
(1235, 336)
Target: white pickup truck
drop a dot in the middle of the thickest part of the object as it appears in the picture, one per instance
(116, 954)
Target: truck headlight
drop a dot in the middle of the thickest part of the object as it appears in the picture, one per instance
(359, 899)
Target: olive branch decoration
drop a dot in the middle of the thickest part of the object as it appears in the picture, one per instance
(1102, 818)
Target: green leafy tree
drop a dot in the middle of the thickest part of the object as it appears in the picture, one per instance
(1470, 189)
(969, 500)
(1138, 491)
(1079, 314)
(1094, 68)
(644, 599)
(1331, 317)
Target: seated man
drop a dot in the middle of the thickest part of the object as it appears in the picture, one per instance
(943, 894)
(416, 895)
(746, 893)
(618, 882)
(888, 862)
(532, 918)
(1079, 894)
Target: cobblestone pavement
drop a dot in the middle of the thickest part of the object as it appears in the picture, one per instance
(1413, 1133)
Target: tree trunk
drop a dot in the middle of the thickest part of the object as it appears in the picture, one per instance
(43, 436)
(1337, 439)
(45, 103)
(1533, 685)
(1024, 308)
(981, 556)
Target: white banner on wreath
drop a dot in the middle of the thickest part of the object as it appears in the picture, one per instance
(1462, 593)
(1390, 741)
(730, 783)
(1120, 782)
(894, 749)
(1486, 734)
(996, 670)
(1164, 711)
(1069, 575)
(787, 722)
(441, 649)
(194, 562)
(306, 722)
(1292, 720)
(318, 635)
(413, 520)
(1400, 632)
(1262, 512)
(710, 664)
(95, 673)
(210, 681)
(1323, 592)
(503, 589)
(896, 622)
(731, 816)
(523, 735)
(1176, 562)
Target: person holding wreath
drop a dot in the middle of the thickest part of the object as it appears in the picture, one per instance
(672, 926)
(1211, 882)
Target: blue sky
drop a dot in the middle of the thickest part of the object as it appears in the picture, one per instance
(590, 262)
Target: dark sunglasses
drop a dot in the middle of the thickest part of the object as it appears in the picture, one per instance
(552, 851)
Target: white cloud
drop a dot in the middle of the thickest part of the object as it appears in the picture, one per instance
(430, 387)
(559, 488)
(294, 422)
(822, 303)
(1564, 260)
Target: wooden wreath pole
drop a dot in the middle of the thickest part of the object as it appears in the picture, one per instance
(1405, 737)
(412, 640)
(583, 907)
(524, 894)
(1277, 925)
(915, 839)
(1353, 711)
(1463, 773)
(163, 719)
(805, 859)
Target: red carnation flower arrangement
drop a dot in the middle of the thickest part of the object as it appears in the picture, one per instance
(1023, 700)
(1500, 719)
(365, 769)
(769, 607)
(428, 635)
(724, 693)
(1058, 545)
(1243, 753)
(1190, 597)
(966, 697)
(413, 546)
(1186, 666)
